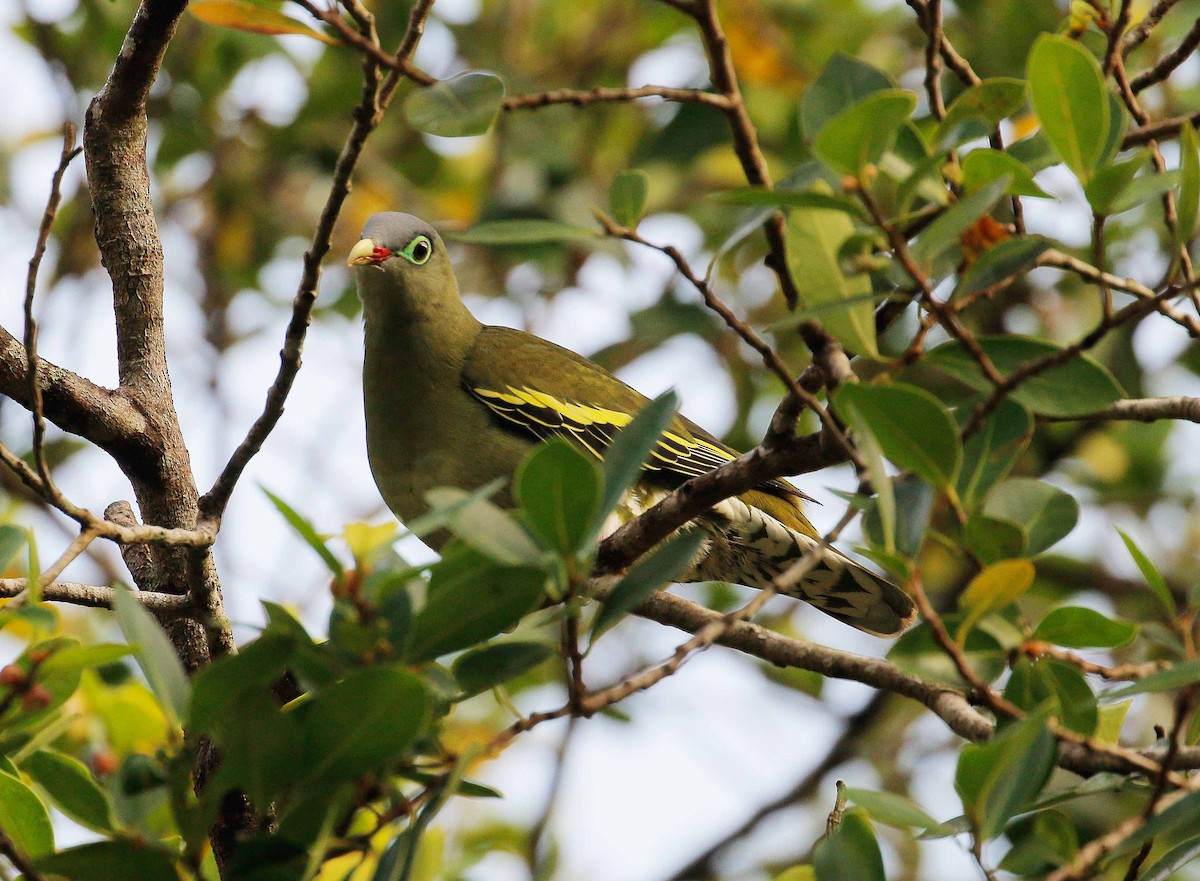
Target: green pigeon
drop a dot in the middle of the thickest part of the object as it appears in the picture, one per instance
(453, 402)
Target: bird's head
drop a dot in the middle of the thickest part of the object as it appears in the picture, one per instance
(402, 265)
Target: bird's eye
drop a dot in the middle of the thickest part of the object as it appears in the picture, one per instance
(419, 250)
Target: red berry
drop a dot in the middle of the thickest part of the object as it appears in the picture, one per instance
(104, 762)
(36, 697)
(12, 676)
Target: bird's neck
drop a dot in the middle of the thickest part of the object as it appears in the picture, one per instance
(412, 349)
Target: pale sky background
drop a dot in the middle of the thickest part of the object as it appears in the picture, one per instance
(707, 746)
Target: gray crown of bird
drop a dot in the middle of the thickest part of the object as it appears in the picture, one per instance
(453, 402)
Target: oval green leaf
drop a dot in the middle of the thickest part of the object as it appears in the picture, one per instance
(559, 490)
(1078, 627)
(914, 429)
(463, 105)
(24, 818)
(1066, 87)
(492, 665)
(72, 787)
(627, 197)
(368, 719)
(534, 231)
(1044, 512)
(981, 167)
(471, 600)
(814, 238)
(860, 134)
(1076, 388)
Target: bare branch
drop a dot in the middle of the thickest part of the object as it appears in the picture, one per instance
(584, 97)
(1138, 34)
(1167, 64)
(69, 152)
(1155, 131)
(1140, 410)
(97, 596)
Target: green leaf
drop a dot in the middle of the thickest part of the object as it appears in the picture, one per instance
(559, 488)
(12, 539)
(997, 586)
(944, 233)
(659, 567)
(997, 779)
(79, 657)
(851, 852)
(860, 134)
(245, 16)
(535, 231)
(24, 818)
(890, 808)
(814, 238)
(1179, 676)
(491, 665)
(1118, 122)
(627, 197)
(914, 429)
(1010, 258)
(370, 718)
(1182, 815)
(990, 453)
(486, 527)
(914, 505)
(1066, 87)
(1077, 627)
(72, 787)
(1044, 512)
(303, 527)
(624, 457)
(155, 655)
(1047, 682)
(1172, 861)
(1103, 189)
(1142, 189)
(844, 81)
(465, 104)
(992, 539)
(1189, 186)
(792, 199)
(918, 652)
(978, 110)
(1154, 578)
(117, 860)
(1076, 388)
(983, 166)
(470, 601)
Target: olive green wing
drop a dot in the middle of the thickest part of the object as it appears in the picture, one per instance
(533, 386)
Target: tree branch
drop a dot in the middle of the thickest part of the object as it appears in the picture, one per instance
(97, 596)
(584, 97)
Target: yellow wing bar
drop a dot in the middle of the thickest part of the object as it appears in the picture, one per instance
(595, 427)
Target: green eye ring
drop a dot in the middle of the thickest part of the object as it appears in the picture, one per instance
(418, 251)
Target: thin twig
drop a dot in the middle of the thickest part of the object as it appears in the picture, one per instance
(600, 94)
(1164, 67)
(20, 862)
(1138, 34)
(97, 596)
(69, 152)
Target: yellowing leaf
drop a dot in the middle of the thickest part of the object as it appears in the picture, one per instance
(992, 589)
(364, 540)
(245, 16)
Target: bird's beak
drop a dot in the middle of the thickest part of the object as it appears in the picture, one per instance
(367, 253)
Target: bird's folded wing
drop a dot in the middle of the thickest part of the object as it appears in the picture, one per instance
(541, 388)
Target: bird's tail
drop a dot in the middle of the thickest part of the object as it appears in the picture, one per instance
(750, 546)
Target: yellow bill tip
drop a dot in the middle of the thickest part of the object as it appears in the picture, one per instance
(362, 254)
